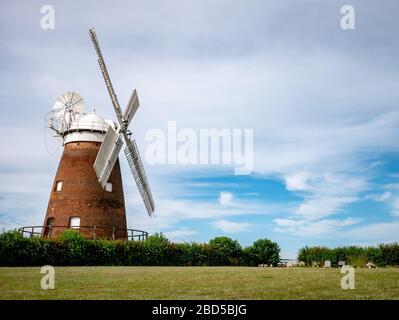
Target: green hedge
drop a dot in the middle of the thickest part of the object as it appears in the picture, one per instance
(382, 255)
(72, 249)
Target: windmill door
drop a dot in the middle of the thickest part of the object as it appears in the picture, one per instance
(48, 227)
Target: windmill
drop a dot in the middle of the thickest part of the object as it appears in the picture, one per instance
(87, 193)
(113, 143)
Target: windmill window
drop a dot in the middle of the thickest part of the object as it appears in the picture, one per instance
(74, 223)
(108, 187)
(58, 186)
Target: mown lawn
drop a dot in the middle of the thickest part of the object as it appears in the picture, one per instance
(197, 283)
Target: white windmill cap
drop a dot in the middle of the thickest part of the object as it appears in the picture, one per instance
(88, 127)
(91, 122)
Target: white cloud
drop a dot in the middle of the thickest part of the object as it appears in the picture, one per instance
(324, 192)
(318, 207)
(385, 196)
(288, 223)
(297, 181)
(225, 198)
(377, 232)
(169, 212)
(326, 228)
(391, 197)
(180, 235)
(342, 231)
(231, 227)
(395, 207)
(379, 197)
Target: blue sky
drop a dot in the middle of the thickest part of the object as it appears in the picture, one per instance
(323, 104)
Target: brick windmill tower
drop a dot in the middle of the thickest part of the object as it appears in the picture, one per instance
(87, 192)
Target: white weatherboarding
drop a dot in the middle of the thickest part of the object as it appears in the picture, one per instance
(113, 141)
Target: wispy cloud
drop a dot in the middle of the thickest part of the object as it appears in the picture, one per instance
(318, 206)
(173, 211)
(297, 181)
(326, 193)
(325, 228)
(225, 198)
(382, 232)
(379, 197)
(395, 207)
(231, 227)
(180, 235)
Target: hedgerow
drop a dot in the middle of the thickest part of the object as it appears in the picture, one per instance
(72, 249)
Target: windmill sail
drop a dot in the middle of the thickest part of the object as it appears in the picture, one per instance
(112, 144)
(137, 168)
(107, 79)
(107, 155)
(131, 108)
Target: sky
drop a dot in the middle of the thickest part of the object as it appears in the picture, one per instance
(322, 103)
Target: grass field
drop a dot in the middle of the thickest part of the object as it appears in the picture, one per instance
(197, 283)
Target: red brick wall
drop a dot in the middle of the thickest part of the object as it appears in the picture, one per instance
(82, 195)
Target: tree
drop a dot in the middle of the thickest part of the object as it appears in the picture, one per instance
(228, 250)
(264, 251)
(157, 239)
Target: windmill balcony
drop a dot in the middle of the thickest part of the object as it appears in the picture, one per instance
(89, 232)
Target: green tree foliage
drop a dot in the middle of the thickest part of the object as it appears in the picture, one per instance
(383, 255)
(227, 251)
(264, 251)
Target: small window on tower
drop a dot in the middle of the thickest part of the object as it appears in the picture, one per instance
(58, 186)
(108, 186)
(74, 223)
